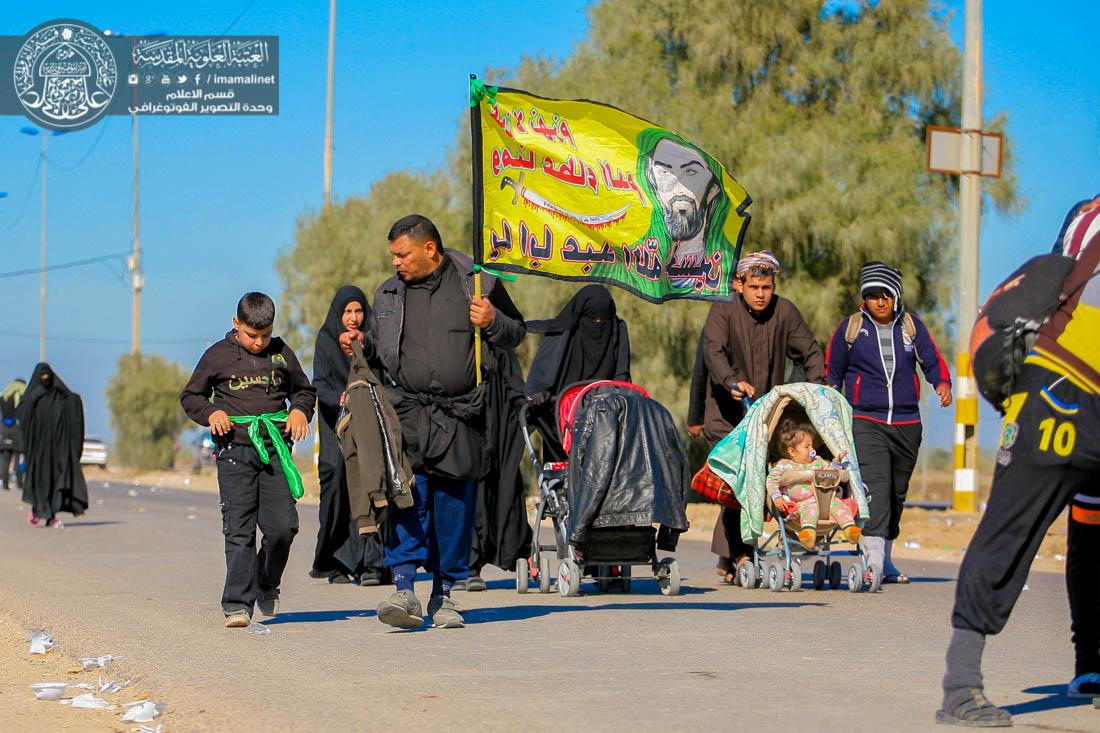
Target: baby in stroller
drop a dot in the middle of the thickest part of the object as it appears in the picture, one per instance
(789, 483)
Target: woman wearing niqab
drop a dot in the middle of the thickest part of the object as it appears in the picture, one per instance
(51, 419)
(586, 342)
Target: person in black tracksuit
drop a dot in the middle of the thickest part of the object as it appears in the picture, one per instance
(1048, 459)
(245, 375)
(878, 373)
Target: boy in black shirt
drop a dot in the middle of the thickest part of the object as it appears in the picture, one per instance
(240, 389)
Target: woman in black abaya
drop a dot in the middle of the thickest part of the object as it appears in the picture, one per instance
(342, 553)
(51, 418)
(586, 342)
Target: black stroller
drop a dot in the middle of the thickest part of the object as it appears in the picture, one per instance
(608, 553)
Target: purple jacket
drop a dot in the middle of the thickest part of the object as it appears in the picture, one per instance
(890, 398)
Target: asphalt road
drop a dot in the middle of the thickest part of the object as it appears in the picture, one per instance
(141, 577)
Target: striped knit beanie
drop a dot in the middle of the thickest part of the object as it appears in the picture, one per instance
(876, 275)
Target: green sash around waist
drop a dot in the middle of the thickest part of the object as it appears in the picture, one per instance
(268, 420)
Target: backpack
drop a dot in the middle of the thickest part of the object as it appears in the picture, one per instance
(908, 329)
(1009, 323)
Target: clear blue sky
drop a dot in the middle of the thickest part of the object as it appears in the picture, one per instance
(220, 197)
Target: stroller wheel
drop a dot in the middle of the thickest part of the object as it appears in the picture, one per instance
(523, 575)
(796, 575)
(668, 577)
(569, 578)
(874, 579)
(820, 574)
(855, 578)
(747, 575)
(544, 574)
(835, 575)
(775, 577)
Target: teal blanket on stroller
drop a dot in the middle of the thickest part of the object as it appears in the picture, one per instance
(741, 458)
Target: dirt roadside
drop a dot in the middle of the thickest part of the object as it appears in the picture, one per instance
(21, 711)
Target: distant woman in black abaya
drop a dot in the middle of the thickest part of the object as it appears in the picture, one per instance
(586, 342)
(342, 553)
(51, 417)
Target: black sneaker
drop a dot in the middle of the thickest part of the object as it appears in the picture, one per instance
(268, 602)
(401, 610)
(370, 579)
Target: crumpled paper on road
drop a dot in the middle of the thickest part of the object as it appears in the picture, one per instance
(144, 711)
(87, 700)
(41, 642)
(96, 662)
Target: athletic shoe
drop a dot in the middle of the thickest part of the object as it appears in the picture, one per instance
(237, 620)
(401, 610)
(972, 709)
(474, 584)
(33, 520)
(268, 602)
(444, 613)
(370, 579)
(55, 523)
(1087, 685)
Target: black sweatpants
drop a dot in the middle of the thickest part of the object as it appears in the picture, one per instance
(6, 458)
(1049, 451)
(887, 456)
(1083, 580)
(253, 494)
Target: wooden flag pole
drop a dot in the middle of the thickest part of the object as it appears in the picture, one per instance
(475, 199)
(477, 331)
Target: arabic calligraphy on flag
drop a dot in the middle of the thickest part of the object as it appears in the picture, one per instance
(578, 190)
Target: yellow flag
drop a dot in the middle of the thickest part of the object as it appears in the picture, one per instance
(578, 190)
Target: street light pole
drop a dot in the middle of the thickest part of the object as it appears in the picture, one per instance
(42, 289)
(330, 86)
(135, 259)
(970, 213)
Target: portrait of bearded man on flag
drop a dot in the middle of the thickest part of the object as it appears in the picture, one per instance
(690, 206)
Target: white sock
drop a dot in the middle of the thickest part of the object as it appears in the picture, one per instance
(876, 550)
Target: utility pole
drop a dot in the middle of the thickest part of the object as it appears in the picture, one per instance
(329, 100)
(135, 259)
(970, 212)
(42, 289)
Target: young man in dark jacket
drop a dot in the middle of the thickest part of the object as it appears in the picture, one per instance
(422, 338)
(242, 385)
(876, 366)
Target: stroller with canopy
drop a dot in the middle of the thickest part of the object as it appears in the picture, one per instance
(604, 512)
(741, 460)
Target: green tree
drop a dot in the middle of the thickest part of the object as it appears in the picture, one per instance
(143, 397)
(819, 108)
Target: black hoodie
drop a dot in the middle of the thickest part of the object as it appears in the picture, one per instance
(243, 383)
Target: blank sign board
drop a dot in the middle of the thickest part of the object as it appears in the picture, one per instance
(945, 151)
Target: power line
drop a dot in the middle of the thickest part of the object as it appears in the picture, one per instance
(26, 198)
(103, 342)
(239, 16)
(63, 265)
